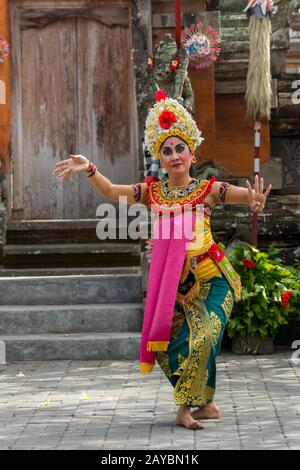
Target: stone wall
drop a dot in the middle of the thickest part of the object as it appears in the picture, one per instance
(283, 168)
(281, 224)
(2, 227)
(287, 149)
(3, 218)
(285, 122)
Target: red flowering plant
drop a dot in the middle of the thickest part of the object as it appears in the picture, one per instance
(174, 64)
(248, 264)
(270, 292)
(151, 62)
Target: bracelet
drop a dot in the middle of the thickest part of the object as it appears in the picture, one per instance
(91, 169)
(222, 191)
(137, 191)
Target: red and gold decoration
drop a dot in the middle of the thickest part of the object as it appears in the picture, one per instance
(151, 62)
(159, 197)
(202, 45)
(4, 49)
(174, 64)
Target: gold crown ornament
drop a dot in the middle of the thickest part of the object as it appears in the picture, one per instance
(169, 118)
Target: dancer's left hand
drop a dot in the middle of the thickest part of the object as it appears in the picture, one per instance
(257, 197)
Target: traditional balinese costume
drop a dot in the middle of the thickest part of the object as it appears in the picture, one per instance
(191, 286)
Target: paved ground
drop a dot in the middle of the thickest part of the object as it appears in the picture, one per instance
(109, 405)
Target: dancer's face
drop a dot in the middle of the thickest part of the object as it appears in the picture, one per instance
(175, 156)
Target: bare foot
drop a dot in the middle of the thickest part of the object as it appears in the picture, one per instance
(209, 411)
(184, 418)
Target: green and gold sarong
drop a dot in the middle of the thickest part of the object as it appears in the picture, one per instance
(207, 290)
(197, 330)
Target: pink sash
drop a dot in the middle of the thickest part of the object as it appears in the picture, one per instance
(166, 266)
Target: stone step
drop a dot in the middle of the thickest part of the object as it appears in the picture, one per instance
(231, 69)
(59, 231)
(234, 20)
(73, 248)
(10, 272)
(71, 254)
(231, 6)
(234, 33)
(230, 55)
(233, 47)
(64, 319)
(72, 289)
(77, 347)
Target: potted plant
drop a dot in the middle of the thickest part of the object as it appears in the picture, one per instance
(270, 295)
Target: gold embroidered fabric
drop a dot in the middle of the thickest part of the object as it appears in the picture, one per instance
(228, 303)
(191, 387)
(197, 329)
(160, 194)
(174, 192)
(216, 327)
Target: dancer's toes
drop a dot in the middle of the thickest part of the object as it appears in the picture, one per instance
(186, 420)
(196, 425)
(210, 411)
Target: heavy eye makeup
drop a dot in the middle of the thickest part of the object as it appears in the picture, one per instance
(168, 150)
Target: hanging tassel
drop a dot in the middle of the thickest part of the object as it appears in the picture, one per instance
(155, 346)
(258, 92)
(146, 368)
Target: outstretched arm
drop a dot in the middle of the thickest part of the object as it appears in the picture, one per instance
(80, 164)
(255, 198)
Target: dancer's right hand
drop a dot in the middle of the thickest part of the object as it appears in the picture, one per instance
(74, 164)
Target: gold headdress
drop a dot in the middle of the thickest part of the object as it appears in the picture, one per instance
(169, 118)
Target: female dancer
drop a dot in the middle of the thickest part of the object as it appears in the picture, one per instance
(192, 286)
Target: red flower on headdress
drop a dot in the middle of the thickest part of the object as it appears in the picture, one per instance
(160, 95)
(166, 119)
(248, 264)
(285, 297)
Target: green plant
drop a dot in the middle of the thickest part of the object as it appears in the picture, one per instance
(270, 292)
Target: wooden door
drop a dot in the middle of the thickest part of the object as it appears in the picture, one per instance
(72, 92)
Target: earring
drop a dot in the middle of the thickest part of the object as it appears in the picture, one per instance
(194, 160)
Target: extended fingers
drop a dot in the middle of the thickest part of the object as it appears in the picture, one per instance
(250, 191)
(268, 190)
(256, 186)
(63, 173)
(61, 165)
(261, 186)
